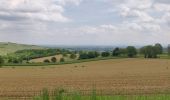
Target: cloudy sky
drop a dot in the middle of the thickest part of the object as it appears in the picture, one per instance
(85, 22)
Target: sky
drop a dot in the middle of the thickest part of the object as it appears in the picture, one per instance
(85, 22)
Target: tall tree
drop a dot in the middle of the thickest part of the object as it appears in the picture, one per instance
(158, 48)
(116, 52)
(131, 51)
(149, 51)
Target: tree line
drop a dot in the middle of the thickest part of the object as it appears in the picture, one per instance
(149, 51)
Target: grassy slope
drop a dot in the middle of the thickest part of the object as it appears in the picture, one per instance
(7, 47)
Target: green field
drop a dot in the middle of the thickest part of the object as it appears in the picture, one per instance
(7, 47)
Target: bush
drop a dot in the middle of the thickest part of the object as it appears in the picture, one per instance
(105, 54)
(73, 56)
(46, 61)
(116, 52)
(62, 60)
(131, 51)
(53, 59)
(83, 56)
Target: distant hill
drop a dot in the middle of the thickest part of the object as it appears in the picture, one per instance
(8, 47)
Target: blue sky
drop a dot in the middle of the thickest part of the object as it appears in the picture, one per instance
(85, 22)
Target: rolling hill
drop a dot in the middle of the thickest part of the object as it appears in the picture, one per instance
(8, 47)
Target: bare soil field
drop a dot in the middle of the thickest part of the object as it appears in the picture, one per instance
(120, 76)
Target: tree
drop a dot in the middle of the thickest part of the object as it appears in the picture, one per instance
(149, 51)
(158, 48)
(97, 54)
(53, 59)
(83, 55)
(131, 51)
(169, 49)
(46, 61)
(62, 59)
(1, 61)
(73, 56)
(116, 52)
(105, 54)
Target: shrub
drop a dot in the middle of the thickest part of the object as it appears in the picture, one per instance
(53, 59)
(105, 54)
(46, 61)
(116, 52)
(131, 51)
(62, 60)
(73, 56)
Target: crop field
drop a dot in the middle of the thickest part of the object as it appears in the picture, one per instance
(115, 76)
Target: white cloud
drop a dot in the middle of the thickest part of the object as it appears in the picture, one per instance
(162, 7)
(45, 10)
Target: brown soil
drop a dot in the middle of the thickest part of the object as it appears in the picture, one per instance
(123, 76)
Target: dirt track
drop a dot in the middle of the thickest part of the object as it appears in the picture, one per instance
(119, 76)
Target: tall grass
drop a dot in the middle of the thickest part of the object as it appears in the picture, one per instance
(59, 94)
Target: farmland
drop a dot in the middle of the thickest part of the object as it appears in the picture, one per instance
(8, 47)
(115, 76)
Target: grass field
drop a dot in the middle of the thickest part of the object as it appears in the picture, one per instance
(7, 47)
(115, 76)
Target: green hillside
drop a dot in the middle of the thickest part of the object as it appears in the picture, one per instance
(8, 47)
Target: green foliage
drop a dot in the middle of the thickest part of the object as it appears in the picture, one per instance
(93, 95)
(88, 55)
(73, 56)
(58, 94)
(46, 61)
(53, 59)
(105, 54)
(116, 52)
(131, 51)
(8, 47)
(149, 51)
(14, 60)
(45, 95)
(62, 60)
(1, 61)
(158, 48)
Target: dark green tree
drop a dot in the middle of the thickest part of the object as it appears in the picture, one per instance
(131, 51)
(149, 51)
(54, 59)
(46, 61)
(73, 56)
(158, 48)
(116, 52)
(83, 55)
(105, 54)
